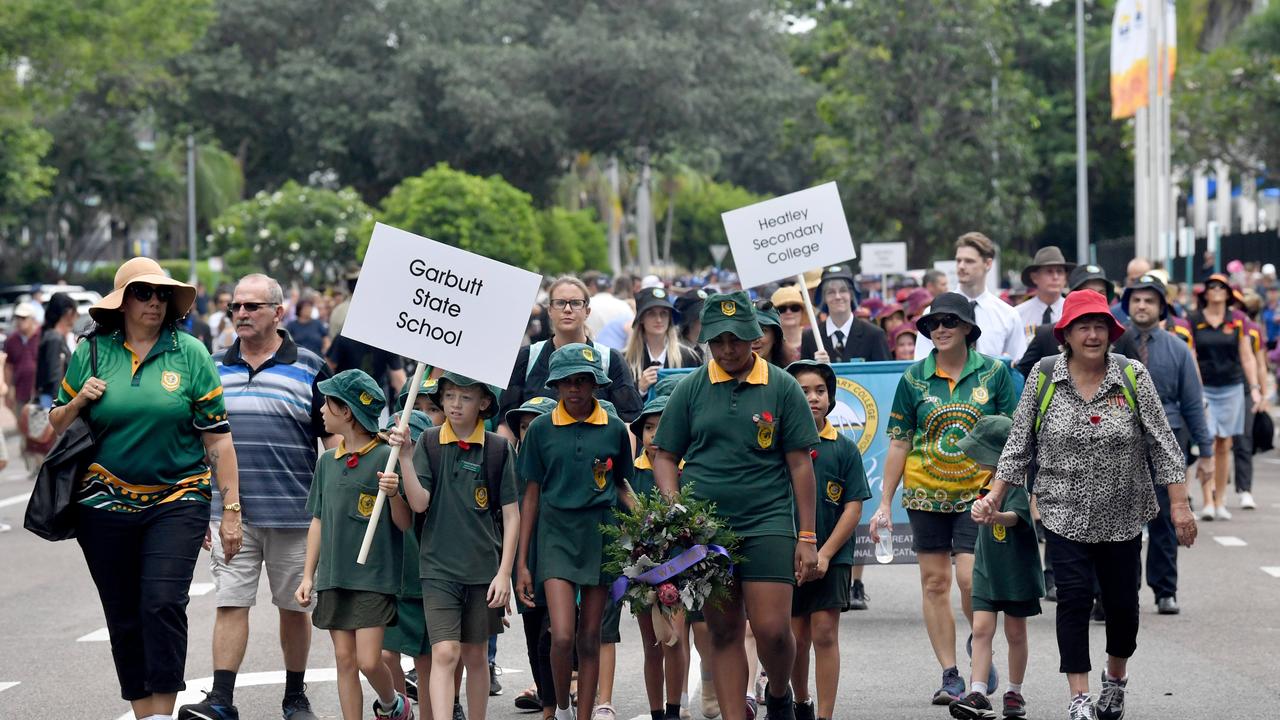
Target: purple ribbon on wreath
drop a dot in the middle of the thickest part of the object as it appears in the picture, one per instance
(667, 570)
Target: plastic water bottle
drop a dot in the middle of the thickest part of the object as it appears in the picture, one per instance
(884, 548)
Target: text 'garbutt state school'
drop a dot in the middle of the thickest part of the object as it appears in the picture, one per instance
(441, 304)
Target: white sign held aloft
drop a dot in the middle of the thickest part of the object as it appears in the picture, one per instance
(884, 258)
(788, 235)
(441, 305)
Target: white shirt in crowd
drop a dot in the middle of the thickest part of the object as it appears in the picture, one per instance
(1032, 314)
(605, 308)
(1002, 333)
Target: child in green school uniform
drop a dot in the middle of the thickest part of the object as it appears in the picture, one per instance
(354, 602)
(577, 461)
(1006, 579)
(816, 605)
(466, 557)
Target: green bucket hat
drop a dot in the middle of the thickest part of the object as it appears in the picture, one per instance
(768, 315)
(418, 423)
(666, 385)
(360, 393)
(827, 372)
(426, 388)
(540, 405)
(986, 440)
(653, 407)
(575, 359)
(729, 313)
(437, 393)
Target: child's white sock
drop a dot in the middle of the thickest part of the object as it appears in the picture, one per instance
(564, 713)
(1015, 687)
(158, 717)
(978, 687)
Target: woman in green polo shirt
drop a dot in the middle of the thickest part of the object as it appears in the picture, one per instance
(155, 407)
(744, 430)
(938, 401)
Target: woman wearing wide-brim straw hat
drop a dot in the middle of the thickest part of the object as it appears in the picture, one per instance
(156, 410)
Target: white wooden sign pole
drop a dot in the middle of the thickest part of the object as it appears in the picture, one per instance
(403, 427)
(808, 307)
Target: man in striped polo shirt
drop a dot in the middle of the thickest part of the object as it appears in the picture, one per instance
(270, 388)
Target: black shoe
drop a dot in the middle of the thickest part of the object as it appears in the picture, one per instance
(212, 708)
(1111, 702)
(783, 708)
(457, 711)
(804, 710)
(411, 684)
(297, 707)
(858, 598)
(1098, 615)
(495, 687)
(1168, 606)
(973, 706)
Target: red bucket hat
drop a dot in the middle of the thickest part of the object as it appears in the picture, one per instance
(1080, 303)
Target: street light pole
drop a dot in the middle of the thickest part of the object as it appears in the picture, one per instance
(191, 206)
(1082, 170)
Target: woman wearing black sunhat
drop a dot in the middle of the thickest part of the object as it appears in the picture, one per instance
(938, 401)
(655, 341)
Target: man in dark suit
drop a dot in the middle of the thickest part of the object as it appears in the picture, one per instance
(843, 336)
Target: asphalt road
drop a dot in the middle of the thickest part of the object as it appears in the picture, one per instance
(1215, 660)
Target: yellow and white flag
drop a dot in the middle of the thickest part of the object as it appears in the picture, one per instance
(1129, 56)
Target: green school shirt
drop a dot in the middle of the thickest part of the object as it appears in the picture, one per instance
(642, 483)
(460, 542)
(841, 479)
(577, 464)
(343, 497)
(733, 437)
(932, 412)
(1006, 564)
(149, 422)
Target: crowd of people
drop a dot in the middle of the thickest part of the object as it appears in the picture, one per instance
(243, 421)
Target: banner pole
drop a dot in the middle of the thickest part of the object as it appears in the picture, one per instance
(808, 307)
(403, 426)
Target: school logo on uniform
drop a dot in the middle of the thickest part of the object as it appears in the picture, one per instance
(999, 532)
(364, 505)
(728, 308)
(170, 380)
(588, 355)
(834, 491)
(366, 398)
(482, 498)
(600, 472)
(659, 293)
(764, 436)
(980, 395)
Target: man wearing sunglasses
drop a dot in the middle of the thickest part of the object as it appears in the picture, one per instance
(270, 388)
(843, 336)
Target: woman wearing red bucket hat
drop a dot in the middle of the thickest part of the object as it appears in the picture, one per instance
(1096, 427)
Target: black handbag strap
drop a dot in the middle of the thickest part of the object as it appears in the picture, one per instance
(93, 354)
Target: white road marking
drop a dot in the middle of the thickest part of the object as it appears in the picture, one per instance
(15, 500)
(99, 635)
(198, 589)
(1229, 541)
(6, 685)
(1272, 571)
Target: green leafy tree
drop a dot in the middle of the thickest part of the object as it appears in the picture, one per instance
(487, 216)
(572, 241)
(295, 233)
(697, 224)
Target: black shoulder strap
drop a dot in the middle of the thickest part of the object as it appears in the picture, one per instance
(430, 440)
(93, 354)
(495, 459)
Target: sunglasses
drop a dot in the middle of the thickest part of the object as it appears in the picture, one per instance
(1216, 286)
(144, 293)
(790, 308)
(252, 307)
(928, 325)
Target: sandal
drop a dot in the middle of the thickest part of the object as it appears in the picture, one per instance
(528, 699)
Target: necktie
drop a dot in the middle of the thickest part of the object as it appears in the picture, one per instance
(1143, 340)
(837, 343)
(1048, 315)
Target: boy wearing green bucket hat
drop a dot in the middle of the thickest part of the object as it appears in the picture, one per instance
(465, 478)
(349, 596)
(577, 462)
(1006, 578)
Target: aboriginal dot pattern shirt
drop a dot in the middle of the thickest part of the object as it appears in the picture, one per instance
(932, 411)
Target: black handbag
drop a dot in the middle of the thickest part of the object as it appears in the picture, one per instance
(51, 509)
(1264, 433)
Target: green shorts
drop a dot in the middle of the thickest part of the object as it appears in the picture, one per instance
(459, 613)
(610, 624)
(409, 635)
(767, 558)
(1012, 608)
(829, 593)
(340, 609)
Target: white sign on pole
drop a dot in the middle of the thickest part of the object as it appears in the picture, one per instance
(441, 305)
(718, 252)
(787, 235)
(884, 258)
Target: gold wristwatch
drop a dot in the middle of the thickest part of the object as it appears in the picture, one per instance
(231, 507)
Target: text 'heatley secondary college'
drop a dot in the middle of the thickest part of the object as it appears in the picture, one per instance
(444, 305)
(793, 235)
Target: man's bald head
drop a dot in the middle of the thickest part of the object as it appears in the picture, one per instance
(1137, 268)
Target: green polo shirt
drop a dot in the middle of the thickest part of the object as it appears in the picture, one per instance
(577, 464)
(841, 479)
(932, 412)
(149, 422)
(734, 436)
(1006, 564)
(342, 497)
(642, 482)
(460, 542)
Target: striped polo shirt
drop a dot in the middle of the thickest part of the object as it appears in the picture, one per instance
(275, 410)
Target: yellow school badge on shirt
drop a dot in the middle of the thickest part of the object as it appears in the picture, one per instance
(765, 425)
(834, 491)
(364, 505)
(170, 380)
(728, 308)
(482, 498)
(999, 532)
(980, 395)
(600, 471)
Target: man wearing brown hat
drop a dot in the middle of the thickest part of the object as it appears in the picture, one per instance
(1047, 275)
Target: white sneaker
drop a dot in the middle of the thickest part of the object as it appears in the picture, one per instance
(1222, 513)
(565, 713)
(604, 712)
(1246, 501)
(1206, 513)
